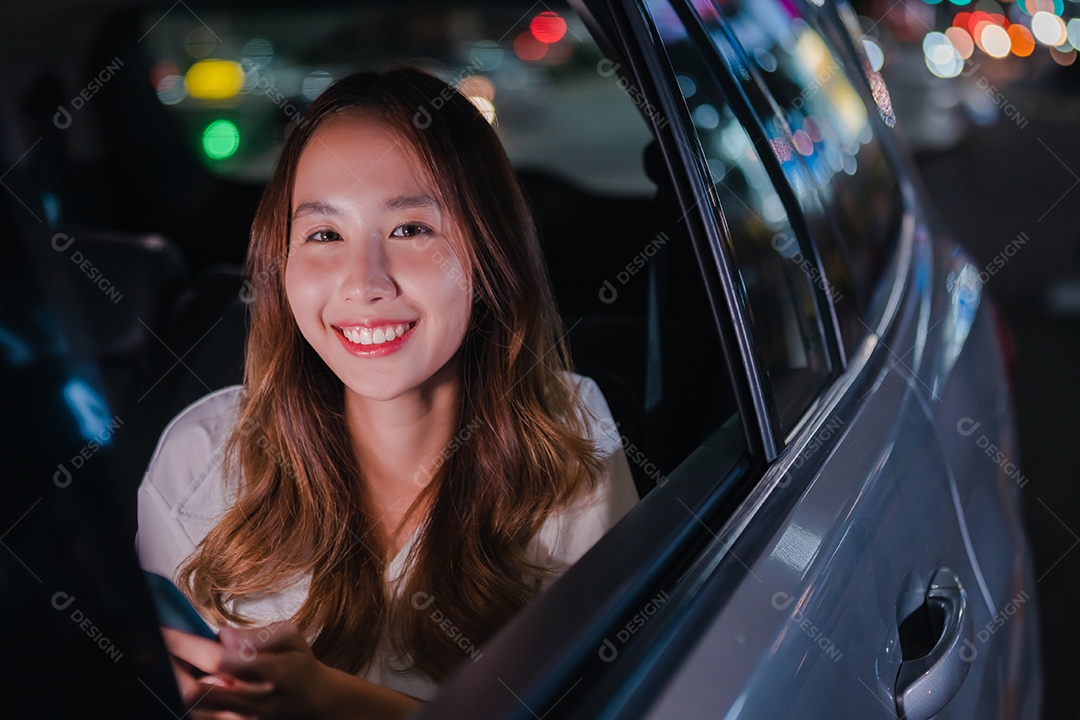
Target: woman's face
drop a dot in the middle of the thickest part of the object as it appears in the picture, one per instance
(371, 257)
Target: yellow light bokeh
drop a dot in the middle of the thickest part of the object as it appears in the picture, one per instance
(214, 79)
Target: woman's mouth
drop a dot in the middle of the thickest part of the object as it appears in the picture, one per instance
(376, 336)
(381, 340)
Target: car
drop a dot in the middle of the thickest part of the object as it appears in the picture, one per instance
(811, 387)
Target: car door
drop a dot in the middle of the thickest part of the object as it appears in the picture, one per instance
(846, 584)
(808, 557)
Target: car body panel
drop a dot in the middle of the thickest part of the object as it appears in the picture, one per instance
(812, 628)
(820, 606)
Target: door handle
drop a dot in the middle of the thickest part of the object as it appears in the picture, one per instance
(926, 683)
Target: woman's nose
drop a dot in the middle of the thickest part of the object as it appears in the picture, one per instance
(366, 273)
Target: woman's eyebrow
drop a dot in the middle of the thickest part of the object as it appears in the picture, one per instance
(315, 207)
(408, 202)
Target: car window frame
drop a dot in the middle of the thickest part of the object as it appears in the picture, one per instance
(687, 164)
(693, 189)
(744, 99)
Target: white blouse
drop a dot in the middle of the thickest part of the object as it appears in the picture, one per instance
(184, 494)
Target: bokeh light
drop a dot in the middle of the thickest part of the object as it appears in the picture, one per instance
(705, 116)
(941, 57)
(1023, 44)
(214, 79)
(170, 90)
(200, 42)
(257, 53)
(1073, 32)
(220, 139)
(487, 54)
(802, 142)
(1054, 7)
(1048, 28)
(1064, 57)
(972, 21)
(548, 27)
(314, 83)
(961, 40)
(873, 53)
(996, 41)
(162, 69)
(528, 48)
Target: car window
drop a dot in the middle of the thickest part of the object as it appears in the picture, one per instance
(777, 276)
(233, 89)
(793, 59)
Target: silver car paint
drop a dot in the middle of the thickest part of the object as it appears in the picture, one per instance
(811, 631)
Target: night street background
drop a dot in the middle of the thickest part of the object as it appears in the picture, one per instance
(1001, 181)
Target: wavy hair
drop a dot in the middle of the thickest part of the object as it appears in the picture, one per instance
(521, 452)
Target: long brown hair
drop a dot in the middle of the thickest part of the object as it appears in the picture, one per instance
(521, 452)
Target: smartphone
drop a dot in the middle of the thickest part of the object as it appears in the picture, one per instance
(174, 609)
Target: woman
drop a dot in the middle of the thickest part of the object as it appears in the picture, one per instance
(410, 458)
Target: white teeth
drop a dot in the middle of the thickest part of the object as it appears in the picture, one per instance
(364, 336)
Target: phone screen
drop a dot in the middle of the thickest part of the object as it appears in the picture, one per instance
(174, 610)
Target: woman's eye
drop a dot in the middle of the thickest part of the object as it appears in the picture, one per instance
(323, 236)
(410, 230)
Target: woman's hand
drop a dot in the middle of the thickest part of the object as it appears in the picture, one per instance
(265, 672)
(194, 660)
(270, 673)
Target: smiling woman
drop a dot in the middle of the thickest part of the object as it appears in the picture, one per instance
(354, 293)
(411, 457)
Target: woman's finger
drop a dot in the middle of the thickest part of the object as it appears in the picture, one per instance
(200, 652)
(257, 667)
(266, 654)
(238, 697)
